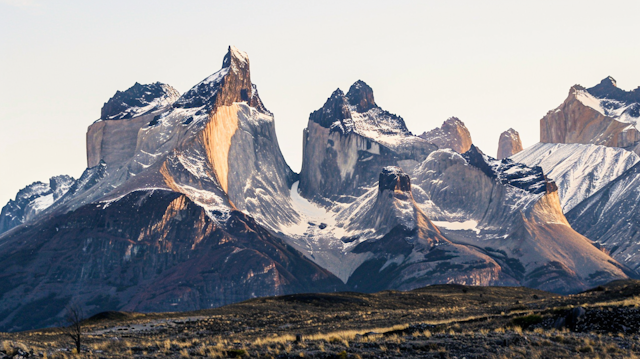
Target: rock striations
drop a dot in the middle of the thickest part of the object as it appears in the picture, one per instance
(509, 144)
(453, 134)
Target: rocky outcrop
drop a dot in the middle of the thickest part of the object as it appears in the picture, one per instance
(452, 134)
(601, 115)
(509, 144)
(349, 140)
(32, 200)
(579, 170)
(513, 212)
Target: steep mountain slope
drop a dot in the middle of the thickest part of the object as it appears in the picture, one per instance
(611, 217)
(578, 170)
(452, 134)
(348, 141)
(32, 200)
(601, 115)
(147, 251)
(513, 212)
(509, 144)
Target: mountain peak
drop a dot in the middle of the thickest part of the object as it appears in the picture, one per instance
(361, 95)
(509, 143)
(230, 84)
(235, 56)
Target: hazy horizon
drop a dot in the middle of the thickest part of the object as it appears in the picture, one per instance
(494, 65)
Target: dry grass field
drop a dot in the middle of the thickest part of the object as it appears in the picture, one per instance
(443, 321)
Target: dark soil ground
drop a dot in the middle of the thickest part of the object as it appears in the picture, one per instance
(442, 321)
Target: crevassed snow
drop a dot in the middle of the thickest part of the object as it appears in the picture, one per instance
(579, 170)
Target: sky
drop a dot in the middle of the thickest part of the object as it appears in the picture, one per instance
(493, 64)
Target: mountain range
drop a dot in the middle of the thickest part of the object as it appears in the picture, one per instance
(188, 203)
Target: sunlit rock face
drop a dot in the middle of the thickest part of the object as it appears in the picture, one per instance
(452, 134)
(509, 144)
(601, 115)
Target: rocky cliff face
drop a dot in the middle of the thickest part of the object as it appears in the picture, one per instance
(579, 170)
(452, 134)
(113, 138)
(349, 140)
(512, 211)
(601, 115)
(32, 200)
(509, 144)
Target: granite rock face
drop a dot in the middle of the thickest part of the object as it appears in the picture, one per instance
(452, 134)
(601, 115)
(113, 138)
(509, 144)
(349, 140)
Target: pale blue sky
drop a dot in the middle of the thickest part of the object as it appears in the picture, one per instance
(493, 64)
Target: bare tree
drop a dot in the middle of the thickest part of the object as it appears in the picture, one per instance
(74, 318)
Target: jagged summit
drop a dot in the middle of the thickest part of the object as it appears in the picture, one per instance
(361, 96)
(357, 112)
(138, 100)
(230, 84)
